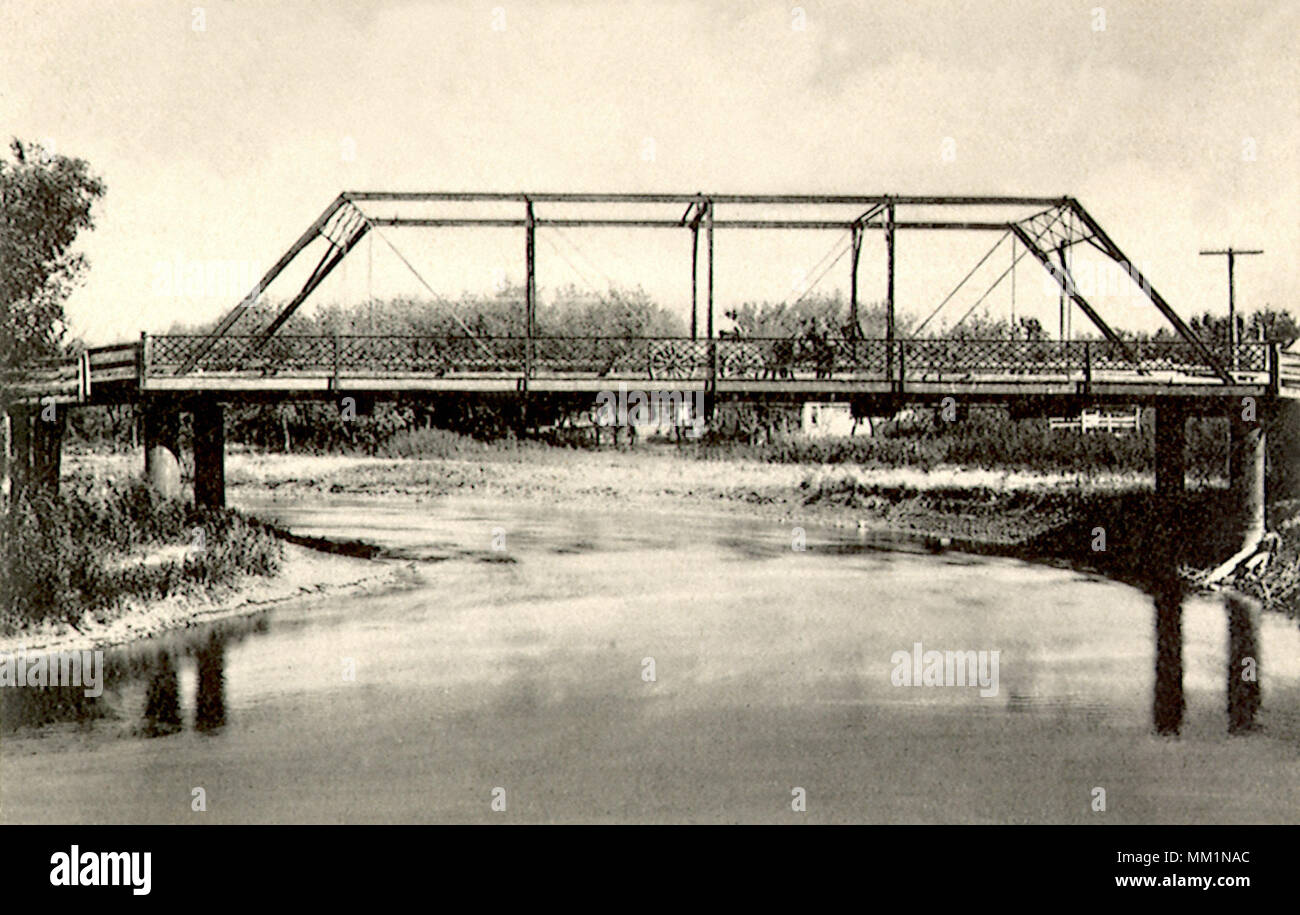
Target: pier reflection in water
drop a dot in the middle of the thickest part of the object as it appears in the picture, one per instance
(1242, 663)
(142, 686)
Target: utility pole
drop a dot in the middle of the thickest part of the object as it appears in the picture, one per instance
(1231, 254)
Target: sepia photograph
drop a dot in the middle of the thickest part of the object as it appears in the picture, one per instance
(574, 413)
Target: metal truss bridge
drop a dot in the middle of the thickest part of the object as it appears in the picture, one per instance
(232, 363)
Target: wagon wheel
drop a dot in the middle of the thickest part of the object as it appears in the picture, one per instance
(741, 362)
(668, 361)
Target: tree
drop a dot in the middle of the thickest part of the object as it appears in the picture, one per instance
(45, 202)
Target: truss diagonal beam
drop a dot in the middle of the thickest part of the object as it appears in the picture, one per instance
(1110, 248)
(238, 311)
(327, 264)
(1068, 286)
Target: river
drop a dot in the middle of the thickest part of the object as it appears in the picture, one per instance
(596, 664)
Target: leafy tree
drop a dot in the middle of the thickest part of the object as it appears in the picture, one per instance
(45, 201)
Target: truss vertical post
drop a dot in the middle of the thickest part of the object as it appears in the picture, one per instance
(889, 291)
(1061, 306)
(695, 283)
(713, 346)
(1013, 286)
(856, 241)
(530, 288)
(1232, 311)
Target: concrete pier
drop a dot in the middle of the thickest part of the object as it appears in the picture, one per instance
(1246, 463)
(1282, 423)
(1171, 464)
(209, 453)
(162, 468)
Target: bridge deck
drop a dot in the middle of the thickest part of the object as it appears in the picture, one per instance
(316, 366)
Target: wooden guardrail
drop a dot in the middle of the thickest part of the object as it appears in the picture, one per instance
(1287, 370)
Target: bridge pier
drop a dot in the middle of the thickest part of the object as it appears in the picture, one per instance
(209, 453)
(47, 447)
(161, 433)
(1282, 446)
(1171, 464)
(18, 459)
(1246, 462)
(33, 449)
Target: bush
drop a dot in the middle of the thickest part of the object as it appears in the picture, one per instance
(60, 556)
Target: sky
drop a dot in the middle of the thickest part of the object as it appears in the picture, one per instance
(222, 129)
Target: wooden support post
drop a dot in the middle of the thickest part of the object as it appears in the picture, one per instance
(47, 447)
(209, 453)
(142, 369)
(6, 458)
(20, 450)
(162, 467)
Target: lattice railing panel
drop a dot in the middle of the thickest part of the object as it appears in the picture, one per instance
(676, 358)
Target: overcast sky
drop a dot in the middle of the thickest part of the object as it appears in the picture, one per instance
(223, 129)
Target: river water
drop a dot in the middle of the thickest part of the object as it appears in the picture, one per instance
(603, 664)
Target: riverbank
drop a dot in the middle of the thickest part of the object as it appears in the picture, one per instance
(303, 573)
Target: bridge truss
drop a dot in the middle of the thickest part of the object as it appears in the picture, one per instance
(261, 360)
(1042, 233)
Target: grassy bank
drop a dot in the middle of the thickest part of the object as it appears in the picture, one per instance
(984, 437)
(94, 545)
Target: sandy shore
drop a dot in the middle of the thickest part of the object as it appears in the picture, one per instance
(304, 574)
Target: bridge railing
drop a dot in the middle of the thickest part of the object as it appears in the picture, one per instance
(806, 357)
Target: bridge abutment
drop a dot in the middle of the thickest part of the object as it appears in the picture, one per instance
(161, 433)
(209, 453)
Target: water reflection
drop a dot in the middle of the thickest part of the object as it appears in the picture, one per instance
(143, 683)
(1243, 664)
(162, 706)
(210, 701)
(142, 686)
(1169, 704)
